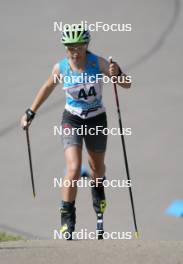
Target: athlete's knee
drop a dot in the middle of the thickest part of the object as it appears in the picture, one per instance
(73, 172)
(97, 170)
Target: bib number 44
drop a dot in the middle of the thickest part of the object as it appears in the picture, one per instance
(82, 93)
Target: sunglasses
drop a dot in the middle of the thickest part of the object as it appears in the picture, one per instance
(75, 47)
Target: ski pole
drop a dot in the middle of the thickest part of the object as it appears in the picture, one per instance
(125, 154)
(30, 161)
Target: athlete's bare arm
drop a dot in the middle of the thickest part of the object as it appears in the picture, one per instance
(42, 94)
(45, 90)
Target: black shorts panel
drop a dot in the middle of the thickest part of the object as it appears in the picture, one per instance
(90, 130)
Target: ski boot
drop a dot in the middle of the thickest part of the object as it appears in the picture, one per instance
(68, 219)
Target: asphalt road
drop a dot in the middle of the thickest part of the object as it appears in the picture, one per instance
(153, 108)
(91, 252)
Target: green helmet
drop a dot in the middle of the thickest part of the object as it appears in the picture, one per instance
(75, 34)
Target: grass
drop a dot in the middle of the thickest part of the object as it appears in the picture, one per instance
(5, 237)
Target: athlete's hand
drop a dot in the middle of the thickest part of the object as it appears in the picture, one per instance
(114, 69)
(23, 122)
(27, 118)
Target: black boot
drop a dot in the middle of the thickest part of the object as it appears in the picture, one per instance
(68, 219)
(99, 205)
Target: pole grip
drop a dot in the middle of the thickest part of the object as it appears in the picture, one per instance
(110, 59)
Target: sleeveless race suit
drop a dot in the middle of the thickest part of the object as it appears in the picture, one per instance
(83, 98)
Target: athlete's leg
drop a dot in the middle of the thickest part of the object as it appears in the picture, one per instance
(96, 146)
(73, 156)
(96, 163)
(97, 166)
